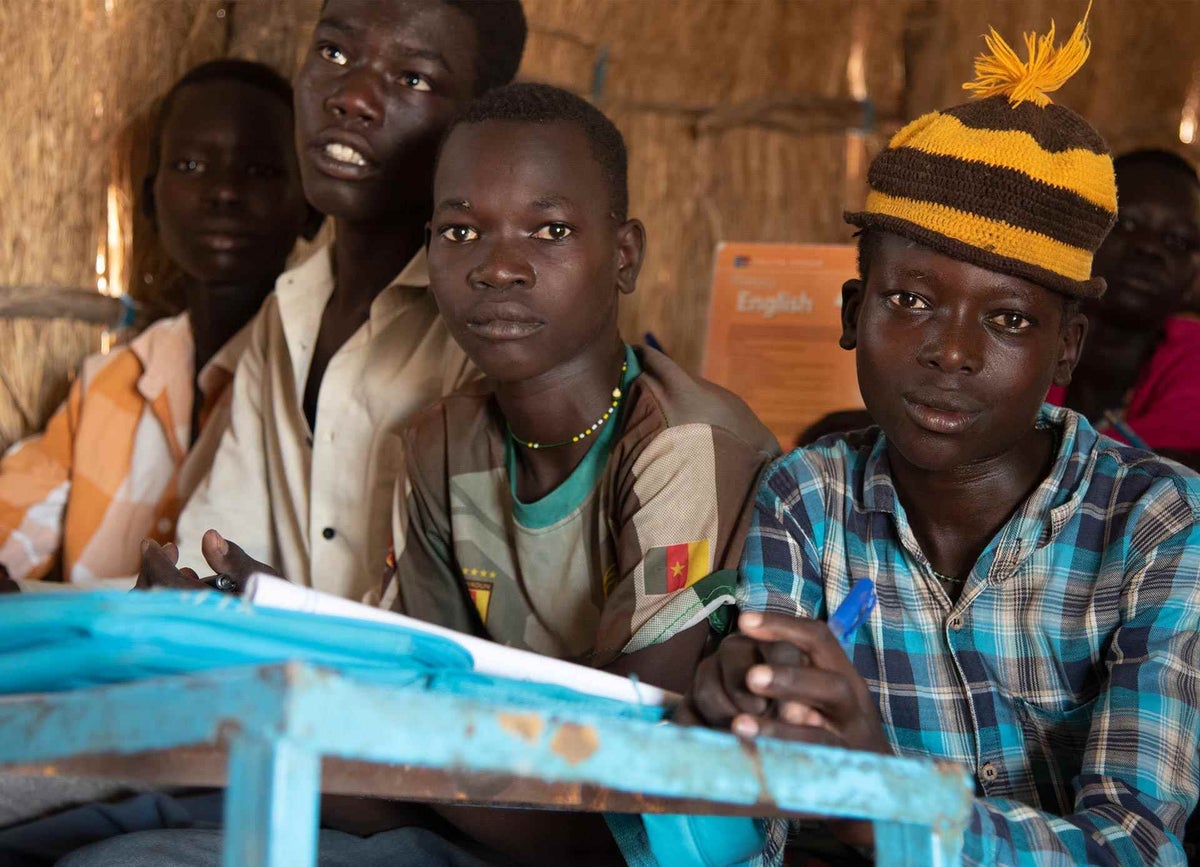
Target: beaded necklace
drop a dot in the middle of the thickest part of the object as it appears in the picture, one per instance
(946, 579)
(952, 587)
(617, 394)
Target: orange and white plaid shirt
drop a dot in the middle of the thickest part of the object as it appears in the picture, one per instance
(113, 465)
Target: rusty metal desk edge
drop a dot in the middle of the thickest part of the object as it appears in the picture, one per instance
(279, 720)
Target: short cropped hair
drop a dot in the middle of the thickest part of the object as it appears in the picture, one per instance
(529, 102)
(229, 69)
(500, 31)
(1159, 159)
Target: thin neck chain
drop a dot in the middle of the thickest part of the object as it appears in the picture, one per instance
(946, 579)
(617, 394)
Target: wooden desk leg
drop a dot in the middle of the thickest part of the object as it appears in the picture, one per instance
(272, 804)
(898, 844)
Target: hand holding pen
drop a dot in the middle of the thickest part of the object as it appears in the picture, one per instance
(824, 701)
(789, 677)
(232, 565)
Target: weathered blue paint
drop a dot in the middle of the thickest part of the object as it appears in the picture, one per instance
(276, 785)
(906, 843)
(434, 730)
(278, 721)
(144, 715)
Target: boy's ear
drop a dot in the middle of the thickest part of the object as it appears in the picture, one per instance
(631, 251)
(852, 300)
(1070, 347)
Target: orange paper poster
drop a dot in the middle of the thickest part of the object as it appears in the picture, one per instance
(773, 329)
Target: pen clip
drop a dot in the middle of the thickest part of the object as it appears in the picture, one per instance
(222, 583)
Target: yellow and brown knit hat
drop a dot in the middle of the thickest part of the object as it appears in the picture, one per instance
(1009, 182)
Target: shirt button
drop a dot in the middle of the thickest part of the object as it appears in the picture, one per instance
(989, 772)
(956, 623)
(328, 532)
(164, 525)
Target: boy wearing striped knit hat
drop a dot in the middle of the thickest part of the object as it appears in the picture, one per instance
(1038, 616)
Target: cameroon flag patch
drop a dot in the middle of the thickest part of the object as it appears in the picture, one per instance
(675, 567)
(481, 595)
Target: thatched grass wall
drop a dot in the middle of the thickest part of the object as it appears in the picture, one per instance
(737, 114)
(88, 74)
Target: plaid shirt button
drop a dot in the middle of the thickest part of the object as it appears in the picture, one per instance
(989, 772)
(956, 624)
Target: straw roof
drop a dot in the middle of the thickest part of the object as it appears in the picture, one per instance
(736, 113)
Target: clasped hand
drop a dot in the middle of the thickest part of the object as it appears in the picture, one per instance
(160, 565)
(785, 677)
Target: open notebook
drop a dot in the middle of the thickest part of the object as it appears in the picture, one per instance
(489, 658)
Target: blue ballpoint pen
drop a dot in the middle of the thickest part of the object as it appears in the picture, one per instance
(853, 612)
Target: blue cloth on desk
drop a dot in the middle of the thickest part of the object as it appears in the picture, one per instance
(58, 642)
(62, 641)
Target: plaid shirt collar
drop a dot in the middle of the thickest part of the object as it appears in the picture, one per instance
(1040, 517)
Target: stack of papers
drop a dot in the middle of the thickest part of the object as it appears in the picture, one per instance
(489, 658)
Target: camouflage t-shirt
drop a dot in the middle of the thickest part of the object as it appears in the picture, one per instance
(625, 553)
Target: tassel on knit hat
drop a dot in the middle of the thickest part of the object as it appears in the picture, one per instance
(1010, 181)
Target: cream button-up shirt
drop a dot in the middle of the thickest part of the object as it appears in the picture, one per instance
(317, 505)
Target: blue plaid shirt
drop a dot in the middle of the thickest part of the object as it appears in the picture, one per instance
(1067, 675)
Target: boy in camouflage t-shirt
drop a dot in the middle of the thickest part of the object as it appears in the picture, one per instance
(582, 501)
(623, 554)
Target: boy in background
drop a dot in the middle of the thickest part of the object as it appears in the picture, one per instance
(1139, 377)
(1038, 616)
(119, 458)
(351, 345)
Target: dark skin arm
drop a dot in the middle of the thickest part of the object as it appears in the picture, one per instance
(670, 665)
(814, 697)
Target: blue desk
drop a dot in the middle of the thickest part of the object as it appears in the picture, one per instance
(274, 724)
